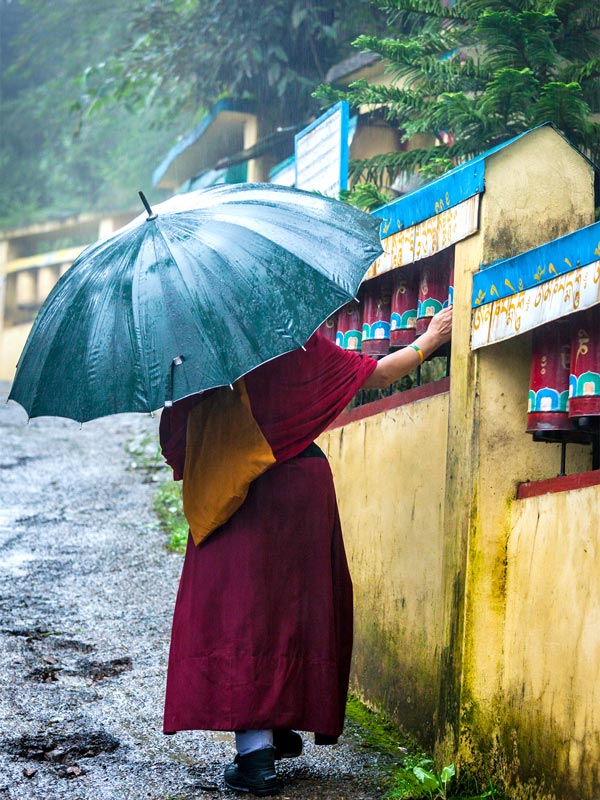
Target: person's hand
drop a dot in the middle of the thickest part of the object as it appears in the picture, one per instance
(440, 326)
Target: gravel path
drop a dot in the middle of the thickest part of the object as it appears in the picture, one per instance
(86, 595)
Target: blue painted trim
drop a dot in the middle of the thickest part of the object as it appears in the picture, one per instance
(526, 270)
(445, 192)
(280, 167)
(226, 104)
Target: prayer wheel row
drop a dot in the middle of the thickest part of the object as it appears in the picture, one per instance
(394, 308)
(564, 386)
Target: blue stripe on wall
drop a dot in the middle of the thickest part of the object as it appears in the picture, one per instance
(513, 275)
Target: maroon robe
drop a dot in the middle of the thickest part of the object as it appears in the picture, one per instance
(262, 630)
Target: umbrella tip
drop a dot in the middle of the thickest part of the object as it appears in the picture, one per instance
(151, 214)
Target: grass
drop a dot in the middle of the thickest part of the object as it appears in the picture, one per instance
(146, 457)
(410, 772)
(168, 506)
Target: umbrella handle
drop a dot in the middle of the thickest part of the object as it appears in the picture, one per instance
(151, 214)
(177, 361)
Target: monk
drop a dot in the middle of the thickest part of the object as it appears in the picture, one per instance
(262, 630)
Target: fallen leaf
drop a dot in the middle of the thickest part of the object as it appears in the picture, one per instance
(74, 772)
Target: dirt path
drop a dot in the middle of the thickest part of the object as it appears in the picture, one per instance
(86, 595)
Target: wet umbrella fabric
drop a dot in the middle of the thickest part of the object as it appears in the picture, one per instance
(191, 297)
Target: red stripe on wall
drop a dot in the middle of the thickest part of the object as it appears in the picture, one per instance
(564, 483)
(393, 401)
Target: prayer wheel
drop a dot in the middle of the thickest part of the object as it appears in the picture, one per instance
(349, 329)
(403, 318)
(433, 289)
(376, 310)
(328, 329)
(549, 380)
(584, 381)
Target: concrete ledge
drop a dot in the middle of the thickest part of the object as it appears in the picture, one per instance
(391, 402)
(563, 483)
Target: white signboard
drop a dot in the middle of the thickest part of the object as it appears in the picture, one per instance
(322, 153)
(428, 237)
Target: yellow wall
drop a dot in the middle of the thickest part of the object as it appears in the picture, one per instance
(535, 190)
(389, 473)
(478, 615)
(551, 677)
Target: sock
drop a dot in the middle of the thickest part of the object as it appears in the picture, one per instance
(248, 741)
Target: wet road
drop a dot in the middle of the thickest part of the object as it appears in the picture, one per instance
(86, 594)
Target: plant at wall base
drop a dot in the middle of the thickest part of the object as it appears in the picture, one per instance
(410, 772)
(435, 785)
(147, 459)
(467, 75)
(416, 778)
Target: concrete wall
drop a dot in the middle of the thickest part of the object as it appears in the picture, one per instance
(526, 203)
(478, 614)
(12, 342)
(550, 681)
(389, 472)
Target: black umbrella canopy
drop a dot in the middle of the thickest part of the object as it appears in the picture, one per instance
(192, 296)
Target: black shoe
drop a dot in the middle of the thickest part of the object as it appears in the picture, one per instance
(287, 744)
(254, 773)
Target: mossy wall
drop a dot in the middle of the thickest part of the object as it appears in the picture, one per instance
(389, 473)
(535, 190)
(550, 684)
(478, 615)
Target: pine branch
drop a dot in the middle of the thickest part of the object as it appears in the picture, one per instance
(428, 8)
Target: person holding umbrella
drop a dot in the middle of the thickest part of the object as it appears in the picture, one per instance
(205, 307)
(262, 630)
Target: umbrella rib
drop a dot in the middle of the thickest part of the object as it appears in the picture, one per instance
(190, 295)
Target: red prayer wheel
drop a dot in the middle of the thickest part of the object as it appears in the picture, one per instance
(349, 329)
(328, 329)
(549, 380)
(433, 290)
(584, 381)
(376, 309)
(403, 317)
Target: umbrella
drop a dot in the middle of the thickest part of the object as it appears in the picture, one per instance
(191, 296)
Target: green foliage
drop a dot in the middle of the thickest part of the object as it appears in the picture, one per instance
(366, 196)
(92, 95)
(470, 74)
(146, 457)
(411, 772)
(168, 505)
(187, 53)
(50, 164)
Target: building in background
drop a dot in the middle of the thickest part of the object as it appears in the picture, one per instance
(32, 259)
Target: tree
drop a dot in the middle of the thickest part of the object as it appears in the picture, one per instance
(93, 94)
(50, 164)
(188, 53)
(472, 73)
